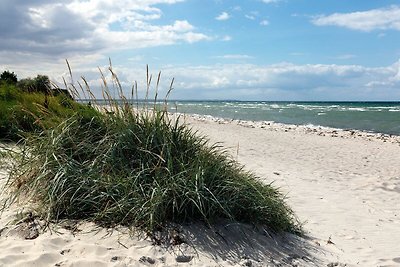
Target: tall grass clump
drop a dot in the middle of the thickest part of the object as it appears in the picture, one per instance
(140, 168)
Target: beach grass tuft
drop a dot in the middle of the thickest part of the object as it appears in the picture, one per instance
(142, 168)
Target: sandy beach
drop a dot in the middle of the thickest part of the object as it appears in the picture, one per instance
(344, 186)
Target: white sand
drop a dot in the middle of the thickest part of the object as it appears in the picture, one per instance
(346, 189)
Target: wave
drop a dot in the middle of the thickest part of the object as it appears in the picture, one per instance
(376, 117)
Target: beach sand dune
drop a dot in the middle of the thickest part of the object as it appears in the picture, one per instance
(346, 190)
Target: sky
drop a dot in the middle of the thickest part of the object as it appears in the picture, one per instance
(269, 50)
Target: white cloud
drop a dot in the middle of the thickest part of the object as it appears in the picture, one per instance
(375, 19)
(223, 16)
(264, 22)
(286, 81)
(237, 8)
(235, 56)
(63, 28)
(283, 81)
(297, 54)
(253, 15)
(192, 37)
(178, 26)
(270, 1)
(226, 38)
(137, 58)
(250, 17)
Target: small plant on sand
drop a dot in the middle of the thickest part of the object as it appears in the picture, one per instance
(141, 168)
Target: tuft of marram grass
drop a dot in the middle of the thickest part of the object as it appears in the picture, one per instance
(141, 169)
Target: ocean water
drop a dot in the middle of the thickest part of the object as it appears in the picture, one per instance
(380, 117)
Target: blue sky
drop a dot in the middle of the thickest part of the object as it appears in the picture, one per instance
(215, 49)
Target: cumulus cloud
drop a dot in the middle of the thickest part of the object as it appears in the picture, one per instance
(66, 28)
(287, 81)
(375, 19)
(223, 16)
(283, 81)
(264, 22)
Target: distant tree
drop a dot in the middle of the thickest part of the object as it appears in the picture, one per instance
(42, 83)
(27, 84)
(8, 77)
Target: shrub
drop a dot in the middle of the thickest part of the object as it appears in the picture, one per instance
(142, 169)
(8, 77)
(40, 84)
(22, 113)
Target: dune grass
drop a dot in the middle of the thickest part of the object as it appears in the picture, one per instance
(23, 113)
(140, 168)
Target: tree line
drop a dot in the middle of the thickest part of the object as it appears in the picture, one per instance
(39, 84)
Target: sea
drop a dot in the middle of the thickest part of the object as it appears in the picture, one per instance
(377, 117)
(374, 117)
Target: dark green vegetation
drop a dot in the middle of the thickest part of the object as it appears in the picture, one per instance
(31, 105)
(142, 169)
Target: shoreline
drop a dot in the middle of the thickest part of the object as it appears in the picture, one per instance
(287, 126)
(308, 129)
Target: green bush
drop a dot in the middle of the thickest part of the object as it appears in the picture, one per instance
(23, 113)
(138, 168)
(142, 170)
(8, 77)
(41, 84)
(8, 92)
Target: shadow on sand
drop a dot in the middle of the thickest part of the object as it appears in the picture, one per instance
(248, 245)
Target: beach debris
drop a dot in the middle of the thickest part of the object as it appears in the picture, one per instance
(64, 251)
(295, 260)
(71, 225)
(336, 264)
(28, 227)
(183, 258)
(330, 241)
(162, 259)
(30, 232)
(119, 242)
(247, 263)
(2, 230)
(170, 236)
(155, 238)
(115, 258)
(146, 259)
(177, 240)
(276, 173)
